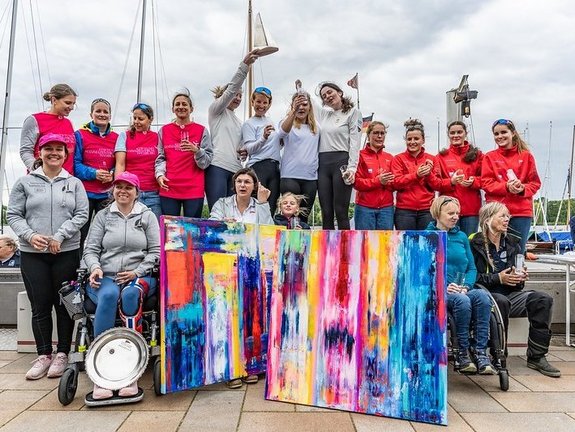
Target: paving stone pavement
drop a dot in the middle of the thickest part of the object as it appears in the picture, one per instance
(533, 403)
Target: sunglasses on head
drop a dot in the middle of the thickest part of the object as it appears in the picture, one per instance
(504, 122)
(263, 90)
(141, 106)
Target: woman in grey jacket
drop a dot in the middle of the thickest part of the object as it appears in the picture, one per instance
(46, 210)
(122, 247)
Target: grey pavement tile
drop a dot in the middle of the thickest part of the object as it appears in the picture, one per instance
(73, 421)
(541, 383)
(300, 422)
(456, 423)
(214, 411)
(221, 387)
(369, 423)
(4, 363)
(19, 399)
(491, 383)
(13, 355)
(20, 365)
(466, 396)
(179, 401)
(568, 355)
(308, 408)
(51, 403)
(536, 402)
(520, 422)
(16, 381)
(6, 416)
(255, 400)
(165, 421)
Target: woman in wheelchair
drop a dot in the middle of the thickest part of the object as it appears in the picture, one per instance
(121, 249)
(465, 302)
(495, 252)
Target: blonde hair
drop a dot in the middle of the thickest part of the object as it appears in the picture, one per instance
(439, 202)
(218, 91)
(298, 198)
(310, 115)
(486, 215)
(58, 92)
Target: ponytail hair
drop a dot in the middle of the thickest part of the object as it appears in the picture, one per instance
(58, 92)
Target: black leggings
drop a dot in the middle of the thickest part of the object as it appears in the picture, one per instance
(95, 205)
(308, 188)
(268, 172)
(334, 194)
(43, 274)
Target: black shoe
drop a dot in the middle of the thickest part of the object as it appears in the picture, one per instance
(542, 365)
(466, 366)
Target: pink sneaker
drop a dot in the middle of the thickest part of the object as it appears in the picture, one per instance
(58, 365)
(39, 368)
(131, 390)
(100, 393)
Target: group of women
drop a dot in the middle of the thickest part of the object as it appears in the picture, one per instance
(126, 178)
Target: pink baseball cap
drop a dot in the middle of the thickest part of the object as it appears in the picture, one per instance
(53, 138)
(128, 177)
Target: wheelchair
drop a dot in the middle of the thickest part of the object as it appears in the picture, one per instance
(147, 331)
(497, 344)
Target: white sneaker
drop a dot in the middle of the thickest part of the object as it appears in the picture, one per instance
(58, 365)
(39, 368)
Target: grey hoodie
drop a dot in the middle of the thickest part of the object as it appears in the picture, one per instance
(122, 243)
(57, 208)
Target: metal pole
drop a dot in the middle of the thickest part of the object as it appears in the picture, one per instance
(5, 115)
(357, 75)
(142, 40)
(570, 178)
(250, 68)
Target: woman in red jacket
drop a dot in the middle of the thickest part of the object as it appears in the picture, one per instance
(415, 180)
(509, 175)
(459, 168)
(373, 183)
(185, 150)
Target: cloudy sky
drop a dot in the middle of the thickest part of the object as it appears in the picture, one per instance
(518, 54)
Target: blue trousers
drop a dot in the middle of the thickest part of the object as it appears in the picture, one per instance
(366, 218)
(412, 219)
(152, 200)
(468, 224)
(475, 306)
(106, 298)
(520, 226)
(218, 184)
(173, 207)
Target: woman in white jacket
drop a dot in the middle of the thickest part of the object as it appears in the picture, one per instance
(121, 249)
(46, 210)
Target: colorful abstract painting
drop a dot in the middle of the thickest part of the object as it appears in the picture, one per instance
(358, 323)
(216, 283)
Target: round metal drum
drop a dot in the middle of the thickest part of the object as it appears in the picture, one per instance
(117, 358)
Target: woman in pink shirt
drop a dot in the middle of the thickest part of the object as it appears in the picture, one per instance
(63, 100)
(184, 151)
(136, 151)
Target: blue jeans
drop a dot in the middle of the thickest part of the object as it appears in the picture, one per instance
(411, 219)
(152, 200)
(474, 306)
(106, 298)
(520, 227)
(373, 219)
(468, 224)
(173, 207)
(218, 184)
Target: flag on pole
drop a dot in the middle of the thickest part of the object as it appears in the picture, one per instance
(365, 122)
(354, 82)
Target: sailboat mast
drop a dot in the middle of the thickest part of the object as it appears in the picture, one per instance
(5, 115)
(141, 63)
(570, 177)
(250, 70)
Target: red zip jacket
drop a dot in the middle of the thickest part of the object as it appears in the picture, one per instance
(370, 192)
(413, 193)
(494, 179)
(446, 164)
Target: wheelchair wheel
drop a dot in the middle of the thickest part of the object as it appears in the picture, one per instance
(157, 377)
(504, 379)
(68, 385)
